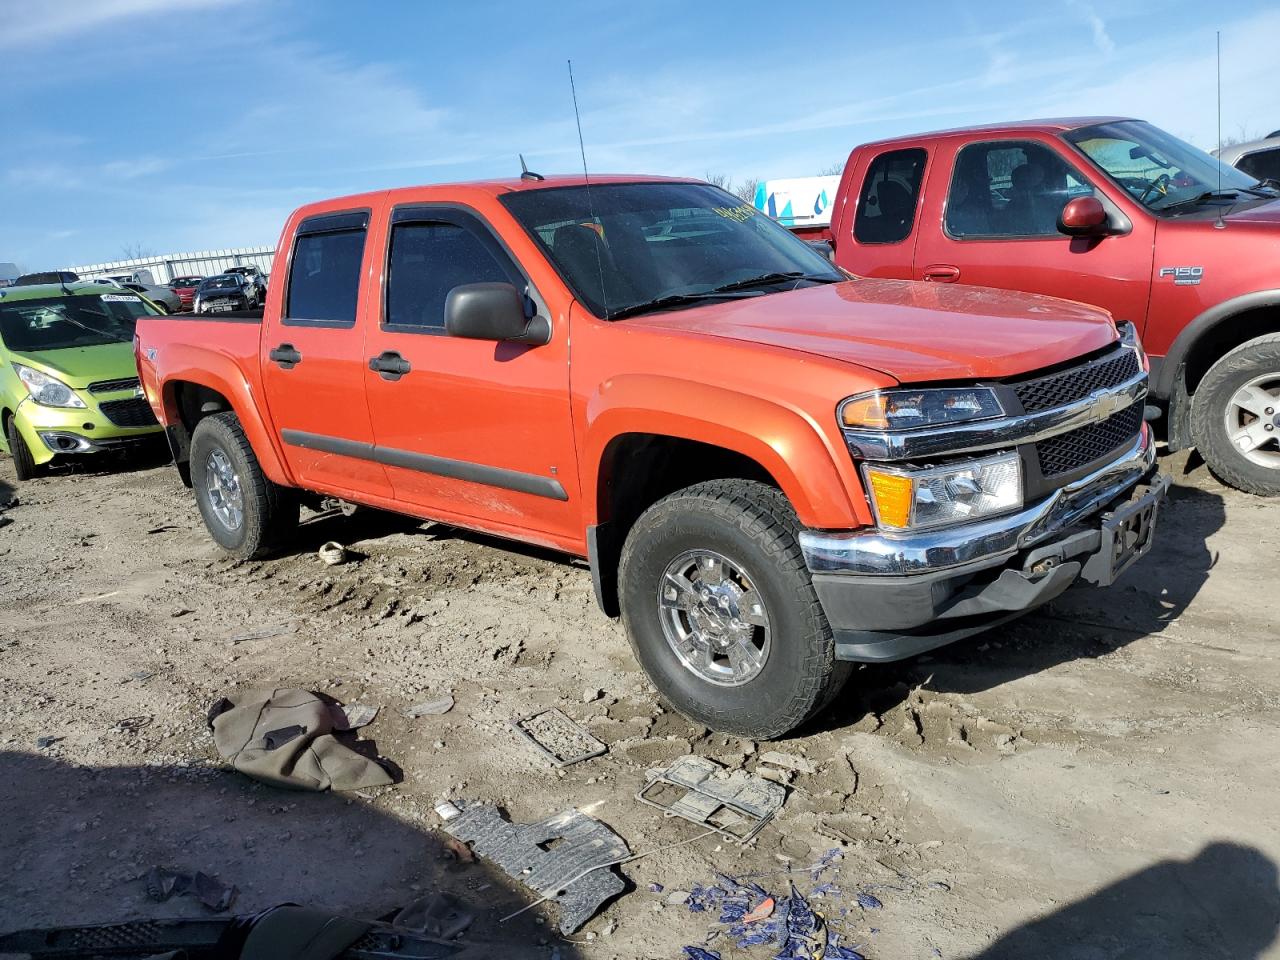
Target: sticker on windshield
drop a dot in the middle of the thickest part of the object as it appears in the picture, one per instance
(120, 298)
(742, 213)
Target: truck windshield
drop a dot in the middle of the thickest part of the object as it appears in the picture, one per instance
(1160, 171)
(56, 323)
(627, 248)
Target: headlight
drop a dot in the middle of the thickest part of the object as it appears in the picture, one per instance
(905, 409)
(46, 390)
(906, 499)
(1129, 337)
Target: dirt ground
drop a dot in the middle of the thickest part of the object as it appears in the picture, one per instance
(1099, 780)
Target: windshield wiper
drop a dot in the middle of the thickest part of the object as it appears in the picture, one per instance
(675, 300)
(767, 278)
(1201, 198)
(113, 337)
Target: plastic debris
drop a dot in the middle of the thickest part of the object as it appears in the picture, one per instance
(430, 708)
(736, 805)
(762, 911)
(655, 888)
(265, 633)
(354, 716)
(213, 893)
(558, 738)
(697, 953)
(332, 553)
(574, 870)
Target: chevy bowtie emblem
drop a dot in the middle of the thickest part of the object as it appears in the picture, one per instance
(1106, 404)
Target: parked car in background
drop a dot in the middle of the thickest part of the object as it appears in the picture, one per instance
(68, 380)
(254, 274)
(8, 273)
(49, 276)
(225, 293)
(1258, 158)
(1109, 211)
(165, 296)
(772, 469)
(185, 288)
(133, 276)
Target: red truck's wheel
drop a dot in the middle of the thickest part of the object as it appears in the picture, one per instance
(245, 512)
(1235, 417)
(721, 611)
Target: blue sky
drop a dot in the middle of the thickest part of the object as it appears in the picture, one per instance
(196, 124)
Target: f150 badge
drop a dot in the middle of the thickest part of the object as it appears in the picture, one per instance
(1183, 276)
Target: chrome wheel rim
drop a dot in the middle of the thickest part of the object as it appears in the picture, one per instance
(1252, 420)
(223, 486)
(714, 618)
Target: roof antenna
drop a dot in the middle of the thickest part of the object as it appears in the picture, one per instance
(526, 173)
(1221, 222)
(604, 297)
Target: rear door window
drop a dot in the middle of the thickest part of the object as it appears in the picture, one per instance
(1007, 189)
(890, 193)
(324, 275)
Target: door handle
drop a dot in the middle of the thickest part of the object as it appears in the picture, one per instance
(389, 365)
(942, 273)
(286, 356)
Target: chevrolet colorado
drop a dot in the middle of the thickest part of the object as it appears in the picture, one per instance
(773, 470)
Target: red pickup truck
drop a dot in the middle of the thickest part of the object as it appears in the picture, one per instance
(1109, 211)
(772, 469)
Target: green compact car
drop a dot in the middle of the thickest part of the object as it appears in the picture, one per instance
(68, 380)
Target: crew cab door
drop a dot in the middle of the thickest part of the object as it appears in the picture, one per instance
(473, 429)
(992, 212)
(878, 238)
(313, 358)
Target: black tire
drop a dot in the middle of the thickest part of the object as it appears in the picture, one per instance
(754, 526)
(1209, 408)
(24, 466)
(268, 513)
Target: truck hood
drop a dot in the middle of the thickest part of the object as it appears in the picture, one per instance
(78, 367)
(914, 332)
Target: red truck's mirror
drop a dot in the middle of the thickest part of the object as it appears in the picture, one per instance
(492, 311)
(1084, 217)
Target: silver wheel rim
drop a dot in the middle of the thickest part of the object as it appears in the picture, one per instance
(714, 618)
(223, 487)
(1252, 420)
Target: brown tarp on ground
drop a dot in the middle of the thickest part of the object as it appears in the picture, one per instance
(285, 738)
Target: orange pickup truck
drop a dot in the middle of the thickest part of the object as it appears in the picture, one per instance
(773, 469)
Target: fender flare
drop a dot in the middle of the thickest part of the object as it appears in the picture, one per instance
(1170, 369)
(805, 461)
(223, 374)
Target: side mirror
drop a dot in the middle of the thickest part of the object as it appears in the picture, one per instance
(1084, 217)
(823, 247)
(492, 311)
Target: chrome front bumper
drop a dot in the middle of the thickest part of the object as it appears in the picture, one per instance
(977, 545)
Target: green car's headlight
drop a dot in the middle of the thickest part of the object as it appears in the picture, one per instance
(46, 390)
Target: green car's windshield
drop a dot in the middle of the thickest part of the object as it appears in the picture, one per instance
(56, 323)
(1157, 169)
(626, 248)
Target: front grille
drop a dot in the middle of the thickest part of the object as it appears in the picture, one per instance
(1072, 450)
(134, 412)
(114, 386)
(1076, 383)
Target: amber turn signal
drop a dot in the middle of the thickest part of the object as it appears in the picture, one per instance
(893, 497)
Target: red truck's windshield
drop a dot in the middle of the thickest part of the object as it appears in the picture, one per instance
(1156, 168)
(625, 246)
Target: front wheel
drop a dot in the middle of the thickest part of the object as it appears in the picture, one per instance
(1235, 417)
(721, 612)
(246, 513)
(24, 465)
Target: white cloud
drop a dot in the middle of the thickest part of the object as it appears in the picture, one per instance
(24, 26)
(1101, 38)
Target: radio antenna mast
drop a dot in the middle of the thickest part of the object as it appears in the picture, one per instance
(598, 239)
(1221, 222)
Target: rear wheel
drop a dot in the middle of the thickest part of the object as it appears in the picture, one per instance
(246, 513)
(1235, 417)
(721, 611)
(24, 466)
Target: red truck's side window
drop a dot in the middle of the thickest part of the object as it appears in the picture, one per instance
(1008, 189)
(890, 193)
(324, 272)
